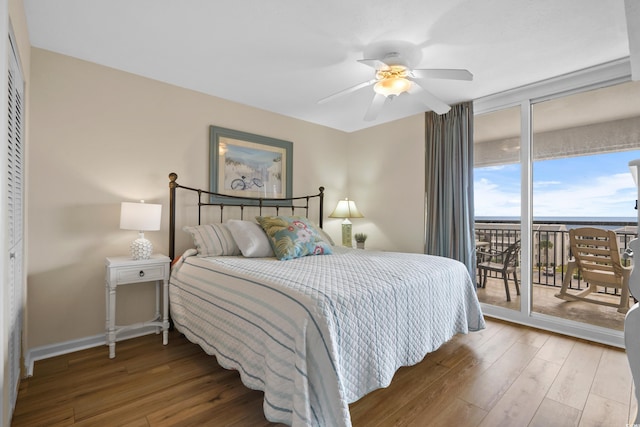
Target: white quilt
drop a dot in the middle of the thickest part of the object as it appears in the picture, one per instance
(320, 332)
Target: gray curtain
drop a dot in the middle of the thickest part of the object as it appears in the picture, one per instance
(449, 185)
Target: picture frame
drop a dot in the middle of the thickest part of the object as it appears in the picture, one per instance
(248, 165)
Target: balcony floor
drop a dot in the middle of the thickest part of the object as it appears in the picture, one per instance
(545, 302)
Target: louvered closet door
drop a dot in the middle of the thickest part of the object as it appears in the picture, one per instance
(15, 213)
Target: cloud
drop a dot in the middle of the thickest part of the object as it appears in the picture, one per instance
(545, 183)
(492, 200)
(603, 196)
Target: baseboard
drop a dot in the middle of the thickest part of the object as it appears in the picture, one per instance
(58, 349)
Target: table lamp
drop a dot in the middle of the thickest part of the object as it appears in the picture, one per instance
(141, 217)
(346, 209)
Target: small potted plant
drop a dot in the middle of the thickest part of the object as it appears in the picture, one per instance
(360, 239)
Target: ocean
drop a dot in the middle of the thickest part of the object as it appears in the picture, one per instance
(570, 222)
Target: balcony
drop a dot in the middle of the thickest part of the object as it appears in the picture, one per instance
(551, 251)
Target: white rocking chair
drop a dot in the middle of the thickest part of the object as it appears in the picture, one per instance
(597, 260)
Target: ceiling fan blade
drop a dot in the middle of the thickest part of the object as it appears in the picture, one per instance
(376, 105)
(376, 64)
(347, 91)
(429, 99)
(442, 73)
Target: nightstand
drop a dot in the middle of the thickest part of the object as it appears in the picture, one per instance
(123, 270)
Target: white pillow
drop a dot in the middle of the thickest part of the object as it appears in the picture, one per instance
(212, 240)
(325, 236)
(250, 238)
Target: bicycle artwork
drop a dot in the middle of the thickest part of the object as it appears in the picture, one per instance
(248, 165)
(245, 184)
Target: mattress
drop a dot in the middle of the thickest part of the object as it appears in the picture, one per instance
(319, 332)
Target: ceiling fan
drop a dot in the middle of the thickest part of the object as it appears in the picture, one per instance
(394, 76)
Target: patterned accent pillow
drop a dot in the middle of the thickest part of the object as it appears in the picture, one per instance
(293, 237)
(213, 240)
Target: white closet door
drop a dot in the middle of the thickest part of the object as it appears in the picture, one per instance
(15, 214)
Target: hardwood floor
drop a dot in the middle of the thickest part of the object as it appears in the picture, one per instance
(505, 375)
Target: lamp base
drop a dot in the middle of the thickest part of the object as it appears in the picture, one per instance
(346, 234)
(141, 248)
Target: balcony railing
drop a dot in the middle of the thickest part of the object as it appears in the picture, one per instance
(551, 249)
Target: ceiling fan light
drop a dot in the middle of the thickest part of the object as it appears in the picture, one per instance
(392, 86)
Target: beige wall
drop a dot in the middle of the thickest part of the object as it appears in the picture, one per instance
(386, 179)
(100, 136)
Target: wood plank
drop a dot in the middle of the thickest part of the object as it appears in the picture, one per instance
(493, 348)
(450, 353)
(461, 346)
(574, 380)
(495, 381)
(518, 406)
(534, 337)
(410, 406)
(633, 405)
(214, 388)
(556, 349)
(140, 422)
(209, 402)
(51, 416)
(55, 392)
(114, 394)
(556, 414)
(600, 411)
(51, 366)
(459, 413)
(407, 382)
(613, 377)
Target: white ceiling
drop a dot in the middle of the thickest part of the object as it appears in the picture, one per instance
(285, 55)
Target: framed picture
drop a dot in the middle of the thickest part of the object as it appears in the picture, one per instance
(247, 165)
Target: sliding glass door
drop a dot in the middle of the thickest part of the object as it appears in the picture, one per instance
(582, 145)
(549, 158)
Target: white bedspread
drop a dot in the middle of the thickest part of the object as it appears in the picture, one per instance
(320, 332)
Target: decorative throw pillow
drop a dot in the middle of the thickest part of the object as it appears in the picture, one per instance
(213, 240)
(250, 238)
(293, 237)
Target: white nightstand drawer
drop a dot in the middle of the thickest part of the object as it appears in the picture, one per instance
(140, 274)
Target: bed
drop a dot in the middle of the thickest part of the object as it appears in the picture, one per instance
(317, 331)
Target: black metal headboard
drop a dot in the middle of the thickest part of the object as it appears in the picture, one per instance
(223, 201)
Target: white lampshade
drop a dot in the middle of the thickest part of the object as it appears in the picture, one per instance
(392, 80)
(392, 86)
(141, 217)
(346, 209)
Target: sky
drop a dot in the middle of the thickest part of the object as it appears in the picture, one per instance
(585, 186)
